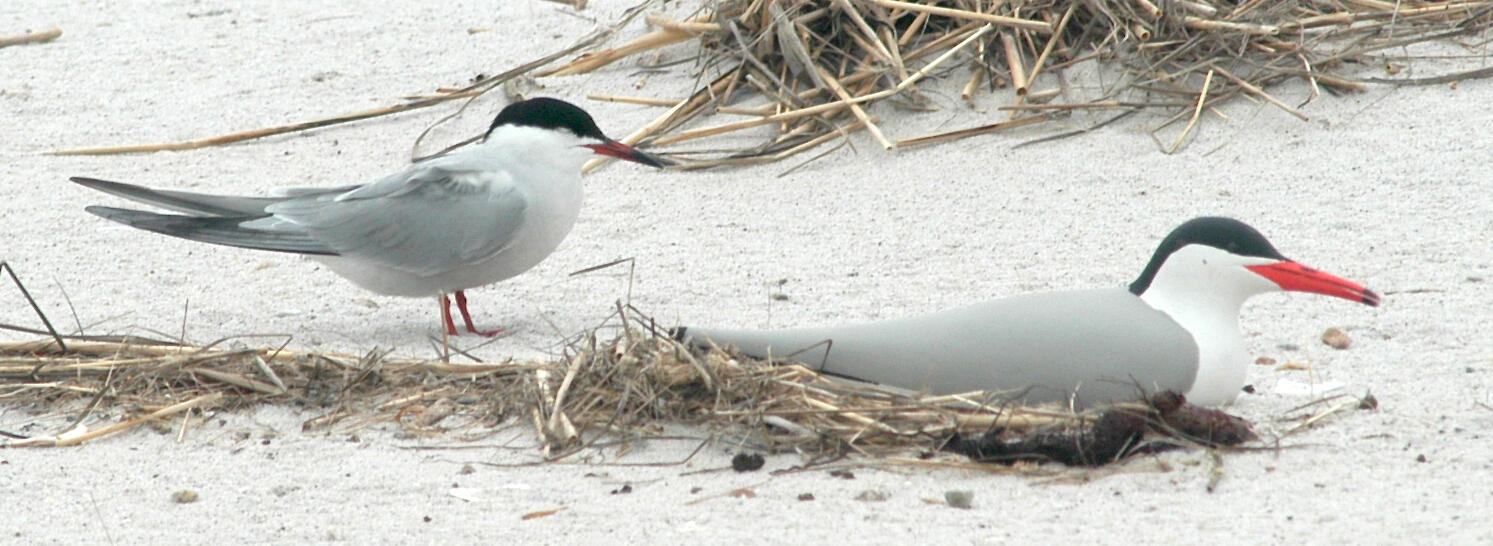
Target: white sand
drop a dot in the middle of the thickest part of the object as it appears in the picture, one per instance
(1389, 188)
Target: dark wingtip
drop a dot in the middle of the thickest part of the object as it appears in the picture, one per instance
(679, 333)
(109, 213)
(106, 186)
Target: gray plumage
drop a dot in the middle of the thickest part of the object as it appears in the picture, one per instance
(469, 218)
(1099, 346)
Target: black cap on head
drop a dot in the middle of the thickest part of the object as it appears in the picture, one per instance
(1225, 234)
(548, 113)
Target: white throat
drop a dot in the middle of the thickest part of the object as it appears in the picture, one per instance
(1203, 289)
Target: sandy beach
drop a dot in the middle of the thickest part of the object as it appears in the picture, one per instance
(1389, 188)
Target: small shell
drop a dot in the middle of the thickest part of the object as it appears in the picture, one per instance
(1336, 339)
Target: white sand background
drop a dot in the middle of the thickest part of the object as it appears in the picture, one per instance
(1390, 188)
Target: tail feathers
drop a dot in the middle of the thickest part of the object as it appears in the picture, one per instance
(194, 204)
(229, 231)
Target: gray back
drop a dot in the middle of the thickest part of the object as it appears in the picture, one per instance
(1100, 345)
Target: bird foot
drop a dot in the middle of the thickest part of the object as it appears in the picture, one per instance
(486, 333)
(461, 305)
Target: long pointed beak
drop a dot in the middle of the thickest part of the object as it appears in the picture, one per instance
(622, 151)
(1292, 276)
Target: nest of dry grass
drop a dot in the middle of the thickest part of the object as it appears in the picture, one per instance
(626, 387)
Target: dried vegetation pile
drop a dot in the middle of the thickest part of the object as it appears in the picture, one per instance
(805, 72)
(810, 68)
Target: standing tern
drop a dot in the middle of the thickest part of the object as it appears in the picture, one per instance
(469, 218)
(1175, 328)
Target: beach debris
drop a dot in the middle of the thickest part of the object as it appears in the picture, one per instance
(625, 489)
(1115, 433)
(465, 493)
(541, 513)
(789, 76)
(625, 386)
(424, 417)
(1207, 426)
(1311, 413)
(805, 496)
(747, 462)
(31, 37)
(185, 496)
(1293, 366)
(1336, 338)
(873, 495)
(959, 498)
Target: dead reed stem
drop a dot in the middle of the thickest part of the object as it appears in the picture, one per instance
(36, 37)
(817, 62)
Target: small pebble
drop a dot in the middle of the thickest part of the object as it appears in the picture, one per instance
(185, 496)
(747, 462)
(871, 495)
(805, 496)
(1336, 339)
(1265, 361)
(960, 498)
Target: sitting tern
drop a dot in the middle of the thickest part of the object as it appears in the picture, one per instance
(1175, 328)
(469, 218)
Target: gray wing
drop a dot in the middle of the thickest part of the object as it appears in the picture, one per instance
(425, 220)
(194, 204)
(217, 219)
(1100, 345)
(243, 232)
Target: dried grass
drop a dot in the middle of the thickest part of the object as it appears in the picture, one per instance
(808, 67)
(625, 387)
(804, 73)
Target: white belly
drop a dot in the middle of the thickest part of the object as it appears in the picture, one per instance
(542, 232)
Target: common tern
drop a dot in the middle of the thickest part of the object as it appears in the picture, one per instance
(1176, 327)
(469, 218)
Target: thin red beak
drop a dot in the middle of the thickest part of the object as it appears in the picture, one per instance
(622, 151)
(1295, 277)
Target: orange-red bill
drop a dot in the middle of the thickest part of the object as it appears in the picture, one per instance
(622, 151)
(1295, 277)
